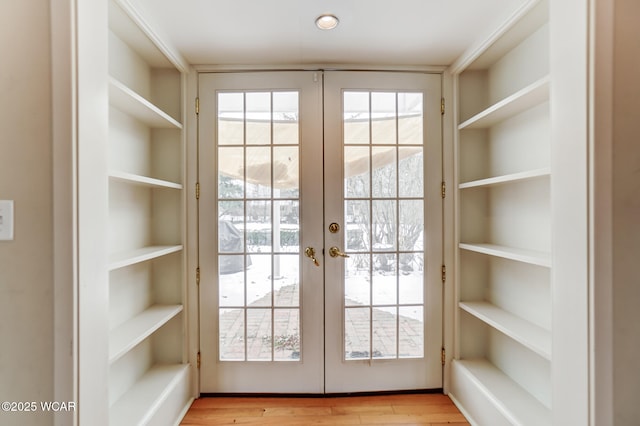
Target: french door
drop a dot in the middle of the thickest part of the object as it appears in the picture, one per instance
(320, 232)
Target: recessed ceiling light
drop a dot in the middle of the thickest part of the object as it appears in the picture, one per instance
(327, 22)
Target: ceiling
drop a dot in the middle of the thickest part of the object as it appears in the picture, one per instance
(282, 32)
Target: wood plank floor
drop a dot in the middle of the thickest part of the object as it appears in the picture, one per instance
(414, 409)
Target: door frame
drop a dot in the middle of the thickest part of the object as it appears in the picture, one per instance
(192, 172)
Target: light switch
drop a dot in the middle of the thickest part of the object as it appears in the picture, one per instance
(6, 220)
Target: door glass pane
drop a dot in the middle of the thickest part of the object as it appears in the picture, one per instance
(356, 171)
(259, 339)
(285, 172)
(286, 339)
(357, 333)
(356, 118)
(258, 118)
(383, 178)
(286, 271)
(384, 225)
(230, 172)
(410, 122)
(231, 280)
(231, 335)
(259, 290)
(384, 217)
(411, 171)
(411, 278)
(230, 227)
(411, 332)
(285, 118)
(258, 226)
(357, 290)
(383, 118)
(230, 118)
(258, 172)
(286, 215)
(385, 331)
(384, 288)
(411, 225)
(358, 225)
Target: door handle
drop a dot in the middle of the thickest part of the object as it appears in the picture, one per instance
(335, 252)
(310, 252)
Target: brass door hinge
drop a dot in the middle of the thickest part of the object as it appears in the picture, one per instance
(443, 357)
(198, 360)
(198, 191)
(443, 190)
(444, 274)
(441, 106)
(197, 106)
(198, 276)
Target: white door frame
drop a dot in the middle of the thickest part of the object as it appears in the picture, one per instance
(434, 192)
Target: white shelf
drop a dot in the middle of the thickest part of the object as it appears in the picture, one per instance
(131, 333)
(511, 400)
(522, 100)
(521, 255)
(529, 335)
(510, 178)
(120, 260)
(129, 102)
(142, 180)
(138, 405)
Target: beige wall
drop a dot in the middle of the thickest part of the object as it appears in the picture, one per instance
(26, 271)
(626, 212)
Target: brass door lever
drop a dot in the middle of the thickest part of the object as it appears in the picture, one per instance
(335, 252)
(310, 252)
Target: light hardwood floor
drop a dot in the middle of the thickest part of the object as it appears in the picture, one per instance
(422, 409)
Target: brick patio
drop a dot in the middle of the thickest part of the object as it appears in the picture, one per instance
(287, 333)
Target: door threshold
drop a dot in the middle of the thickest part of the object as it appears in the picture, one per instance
(322, 395)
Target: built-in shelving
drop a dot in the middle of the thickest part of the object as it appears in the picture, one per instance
(128, 101)
(145, 398)
(514, 403)
(128, 258)
(502, 366)
(505, 179)
(530, 335)
(149, 376)
(524, 99)
(142, 180)
(532, 257)
(128, 335)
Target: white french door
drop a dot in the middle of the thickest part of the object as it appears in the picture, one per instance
(261, 310)
(320, 232)
(383, 304)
